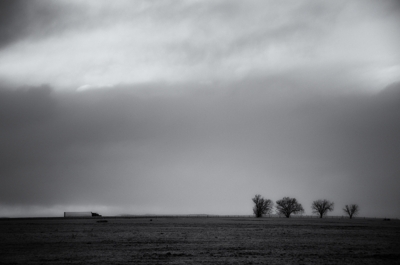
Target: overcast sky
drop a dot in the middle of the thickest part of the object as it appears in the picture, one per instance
(193, 107)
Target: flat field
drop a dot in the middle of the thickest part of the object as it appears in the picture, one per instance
(199, 240)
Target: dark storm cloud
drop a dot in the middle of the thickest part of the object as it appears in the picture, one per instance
(20, 19)
(33, 20)
(10, 27)
(149, 149)
(37, 19)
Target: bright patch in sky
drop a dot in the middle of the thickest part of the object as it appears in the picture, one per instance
(174, 42)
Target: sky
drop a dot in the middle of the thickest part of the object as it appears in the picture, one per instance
(193, 107)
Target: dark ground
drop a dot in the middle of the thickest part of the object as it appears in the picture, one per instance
(199, 240)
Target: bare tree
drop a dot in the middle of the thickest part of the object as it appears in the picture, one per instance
(322, 207)
(262, 206)
(288, 206)
(351, 210)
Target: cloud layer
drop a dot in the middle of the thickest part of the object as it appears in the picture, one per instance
(145, 150)
(69, 44)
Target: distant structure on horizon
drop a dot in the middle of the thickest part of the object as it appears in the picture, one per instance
(80, 214)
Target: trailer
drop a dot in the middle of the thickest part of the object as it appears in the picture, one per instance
(80, 214)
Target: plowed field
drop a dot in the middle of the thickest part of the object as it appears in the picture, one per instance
(199, 241)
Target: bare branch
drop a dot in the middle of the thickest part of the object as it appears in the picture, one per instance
(322, 207)
(351, 210)
(262, 206)
(288, 206)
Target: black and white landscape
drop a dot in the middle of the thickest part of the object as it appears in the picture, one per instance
(116, 112)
